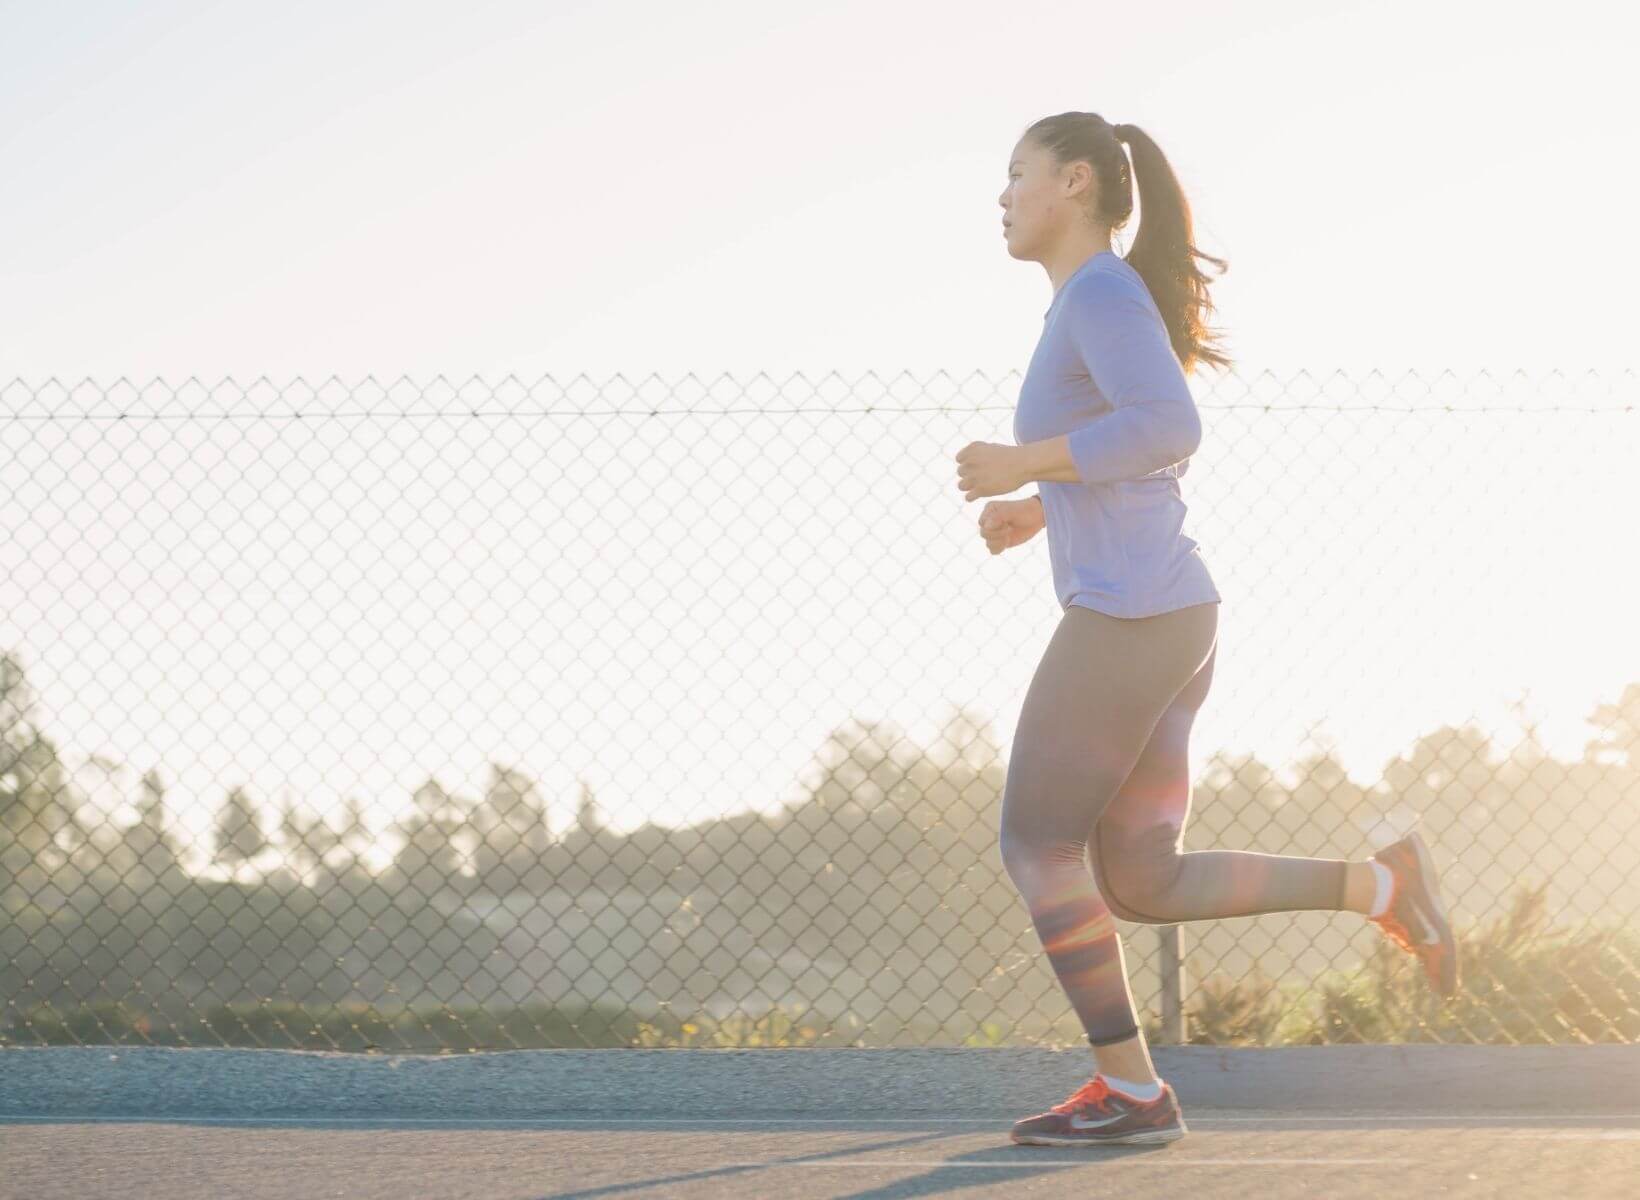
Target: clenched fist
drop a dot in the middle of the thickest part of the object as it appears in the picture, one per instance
(1005, 523)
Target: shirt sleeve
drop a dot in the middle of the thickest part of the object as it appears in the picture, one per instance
(1124, 346)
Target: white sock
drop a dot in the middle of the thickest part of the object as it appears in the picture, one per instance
(1380, 902)
(1139, 1091)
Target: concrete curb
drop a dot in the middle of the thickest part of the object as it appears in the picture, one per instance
(148, 1081)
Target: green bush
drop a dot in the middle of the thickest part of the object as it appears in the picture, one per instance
(1521, 982)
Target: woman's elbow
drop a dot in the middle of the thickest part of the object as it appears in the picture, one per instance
(1189, 433)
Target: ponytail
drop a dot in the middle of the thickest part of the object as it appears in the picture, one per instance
(1162, 252)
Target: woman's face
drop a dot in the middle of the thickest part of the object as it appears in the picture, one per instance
(1041, 200)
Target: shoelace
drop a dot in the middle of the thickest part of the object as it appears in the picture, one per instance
(1091, 1093)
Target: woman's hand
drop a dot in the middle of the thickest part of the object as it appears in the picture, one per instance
(990, 469)
(1005, 523)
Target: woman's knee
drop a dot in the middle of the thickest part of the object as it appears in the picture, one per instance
(1030, 860)
(1022, 867)
(1045, 821)
(1136, 871)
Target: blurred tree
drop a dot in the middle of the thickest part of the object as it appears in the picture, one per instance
(39, 806)
(151, 848)
(510, 824)
(587, 820)
(429, 858)
(301, 838)
(238, 833)
(1619, 725)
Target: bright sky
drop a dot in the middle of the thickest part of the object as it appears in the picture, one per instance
(308, 189)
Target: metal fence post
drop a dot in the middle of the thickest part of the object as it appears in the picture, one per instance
(1174, 1031)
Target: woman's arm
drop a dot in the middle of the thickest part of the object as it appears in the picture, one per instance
(1050, 460)
(1124, 346)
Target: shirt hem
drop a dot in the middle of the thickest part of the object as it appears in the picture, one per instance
(1117, 610)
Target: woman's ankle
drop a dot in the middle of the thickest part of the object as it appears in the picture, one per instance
(1132, 1067)
(1360, 886)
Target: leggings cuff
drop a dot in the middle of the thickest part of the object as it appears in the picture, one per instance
(1120, 1037)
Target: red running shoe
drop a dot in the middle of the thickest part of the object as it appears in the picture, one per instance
(1096, 1115)
(1415, 919)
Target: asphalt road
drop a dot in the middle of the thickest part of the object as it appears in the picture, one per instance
(1228, 1153)
(1393, 1121)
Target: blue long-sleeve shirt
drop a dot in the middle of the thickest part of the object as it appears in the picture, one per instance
(1104, 373)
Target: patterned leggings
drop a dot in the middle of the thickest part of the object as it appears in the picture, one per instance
(1098, 775)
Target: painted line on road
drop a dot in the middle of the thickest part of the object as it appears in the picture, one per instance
(636, 1122)
(1588, 1135)
(1105, 1162)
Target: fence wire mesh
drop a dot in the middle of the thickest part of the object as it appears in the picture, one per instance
(433, 716)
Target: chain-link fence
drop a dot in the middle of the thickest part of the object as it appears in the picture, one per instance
(435, 716)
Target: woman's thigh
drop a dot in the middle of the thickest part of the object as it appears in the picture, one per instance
(1102, 687)
(1138, 838)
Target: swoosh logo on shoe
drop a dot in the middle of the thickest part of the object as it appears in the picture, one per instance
(1078, 1123)
(1433, 938)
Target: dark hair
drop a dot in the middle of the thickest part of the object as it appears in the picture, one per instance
(1162, 254)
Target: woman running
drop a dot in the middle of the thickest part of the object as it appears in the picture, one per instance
(1099, 775)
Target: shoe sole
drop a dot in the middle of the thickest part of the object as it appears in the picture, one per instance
(1429, 904)
(1166, 1133)
(1140, 1137)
